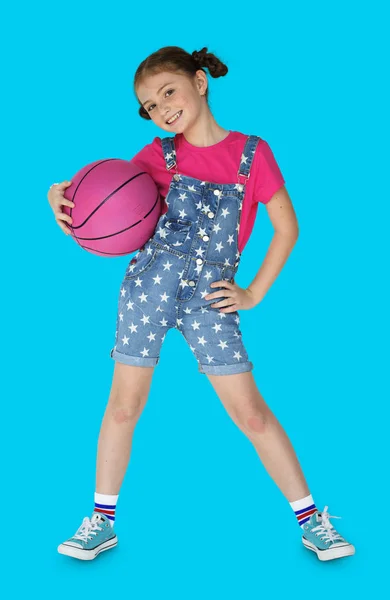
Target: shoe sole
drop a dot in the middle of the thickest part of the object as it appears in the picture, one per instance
(82, 554)
(339, 552)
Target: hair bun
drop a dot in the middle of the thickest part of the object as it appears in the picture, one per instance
(200, 56)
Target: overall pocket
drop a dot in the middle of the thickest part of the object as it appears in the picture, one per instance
(141, 263)
(219, 273)
(176, 231)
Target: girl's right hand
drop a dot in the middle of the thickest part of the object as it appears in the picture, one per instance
(56, 199)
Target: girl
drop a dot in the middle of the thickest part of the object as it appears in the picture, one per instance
(184, 277)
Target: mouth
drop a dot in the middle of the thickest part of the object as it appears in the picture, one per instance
(175, 118)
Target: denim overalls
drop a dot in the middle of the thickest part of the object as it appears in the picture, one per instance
(194, 244)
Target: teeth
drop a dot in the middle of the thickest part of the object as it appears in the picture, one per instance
(176, 116)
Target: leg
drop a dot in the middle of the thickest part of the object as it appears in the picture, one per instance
(244, 404)
(129, 392)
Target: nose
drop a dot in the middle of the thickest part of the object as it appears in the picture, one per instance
(164, 109)
(164, 112)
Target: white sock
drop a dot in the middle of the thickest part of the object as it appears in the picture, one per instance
(303, 509)
(106, 504)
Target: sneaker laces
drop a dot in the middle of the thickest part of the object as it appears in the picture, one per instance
(88, 528)
(326, 529)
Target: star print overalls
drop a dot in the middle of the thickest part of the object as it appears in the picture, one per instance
(194, 244)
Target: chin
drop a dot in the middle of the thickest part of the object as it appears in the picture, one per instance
(178, 129)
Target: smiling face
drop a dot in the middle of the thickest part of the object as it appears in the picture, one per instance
(165, 94)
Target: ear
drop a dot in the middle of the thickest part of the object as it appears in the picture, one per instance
(201, 82)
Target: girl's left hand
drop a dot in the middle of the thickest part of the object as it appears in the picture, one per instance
(236, 298)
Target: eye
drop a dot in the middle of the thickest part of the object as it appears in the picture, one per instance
(167, 92)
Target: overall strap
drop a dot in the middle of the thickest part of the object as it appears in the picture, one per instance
(247, 157)
(169, 152)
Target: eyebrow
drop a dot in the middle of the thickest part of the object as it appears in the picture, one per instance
(161, 88)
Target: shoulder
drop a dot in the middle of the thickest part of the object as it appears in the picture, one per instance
(264, 155)
(153, 146)
(149, 153)
(263, 150)
(240, 135)
(268, 177)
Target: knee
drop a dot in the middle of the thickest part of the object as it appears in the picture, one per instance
(257, 423)
(255, 416)
(125, 415)
(125, 409)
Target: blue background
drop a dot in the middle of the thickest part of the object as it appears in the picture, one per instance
(197, 513)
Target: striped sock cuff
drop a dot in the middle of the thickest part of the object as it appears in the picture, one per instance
(304, 514)
(304, 508)
(106, 509)
(106, 504)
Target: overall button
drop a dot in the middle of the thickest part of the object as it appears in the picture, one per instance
(191, 283)
(199, 261)
(205, 238)
(176, 177)
(217, 192)
(210, 215)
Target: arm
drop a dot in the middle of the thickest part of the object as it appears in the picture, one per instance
(281, 212)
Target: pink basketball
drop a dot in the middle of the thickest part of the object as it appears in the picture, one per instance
(117, 206)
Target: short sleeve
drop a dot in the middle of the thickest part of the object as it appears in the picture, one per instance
(269, 178)
(149, 156)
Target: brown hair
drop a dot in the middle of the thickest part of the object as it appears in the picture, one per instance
(173, 59)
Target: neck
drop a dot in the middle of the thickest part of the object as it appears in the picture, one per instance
(205, 131)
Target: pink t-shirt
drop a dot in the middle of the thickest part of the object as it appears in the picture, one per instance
(217, 164)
